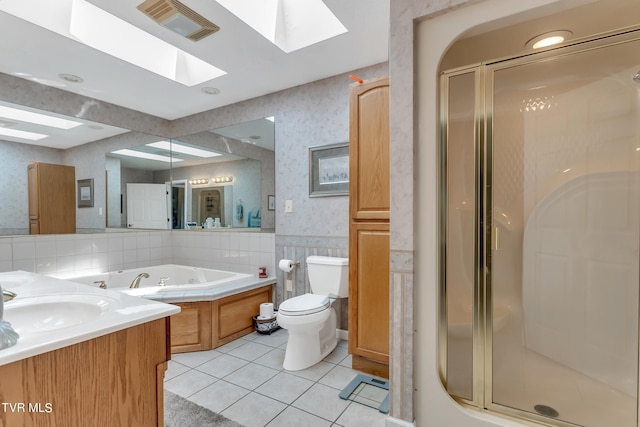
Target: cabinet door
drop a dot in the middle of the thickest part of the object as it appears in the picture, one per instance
(369, 150)
(369, 290)
(191, 328)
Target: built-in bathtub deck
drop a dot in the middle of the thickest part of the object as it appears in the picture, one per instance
(192, 295)
(217, 306)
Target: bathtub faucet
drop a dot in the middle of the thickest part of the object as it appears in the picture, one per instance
(7, 296)
(136, 281)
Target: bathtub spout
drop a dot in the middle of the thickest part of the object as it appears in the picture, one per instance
(136, 281)
(7, 296)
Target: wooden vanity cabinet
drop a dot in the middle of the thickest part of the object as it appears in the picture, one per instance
(369, 195)
(113, 380)
(204, 325)
(52, 199)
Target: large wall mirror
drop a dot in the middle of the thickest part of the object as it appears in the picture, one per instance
(233, 184)
(214, 179)
(30, 135)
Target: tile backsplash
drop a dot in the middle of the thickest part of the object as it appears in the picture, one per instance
(69, 255)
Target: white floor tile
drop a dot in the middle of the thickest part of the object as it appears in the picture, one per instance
(315, 372)
(358, 415)
(337, 355)
(189, 383)
(276, 339)
(338, 377)
(222, 365)
(274, 359)
(195, 358)
(293, 417)
(323, 401)
(284, 387)
(250, 350)
(231, 345)
(222, 379)
(347, 361)
(254, 410)
(251, 376)
(219, 396)
(174, 369)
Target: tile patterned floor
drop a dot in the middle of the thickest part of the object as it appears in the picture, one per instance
(244, 381)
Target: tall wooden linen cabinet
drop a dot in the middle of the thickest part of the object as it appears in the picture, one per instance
(369, 226)
(52, 198)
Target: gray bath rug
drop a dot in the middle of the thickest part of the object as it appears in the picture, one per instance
(180, 412)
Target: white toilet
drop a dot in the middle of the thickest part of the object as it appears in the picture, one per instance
(310, 318)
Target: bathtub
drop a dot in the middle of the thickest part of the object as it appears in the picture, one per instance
(217, 306)
(175, 282)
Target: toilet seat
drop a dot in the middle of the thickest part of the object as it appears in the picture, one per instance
(304, 304)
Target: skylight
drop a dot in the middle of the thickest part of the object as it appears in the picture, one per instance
(82, 21)
(289, 24)
(32, 136)
(142, 155)
(184, 149)
(36, 118)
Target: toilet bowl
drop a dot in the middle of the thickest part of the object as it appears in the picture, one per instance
(311, 318)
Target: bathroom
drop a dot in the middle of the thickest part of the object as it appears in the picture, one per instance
(244, 250)
(316, 225)
(415, 363)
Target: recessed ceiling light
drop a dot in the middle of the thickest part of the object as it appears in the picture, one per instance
(255, 137)
(210, 90)
(548, 39)
(95, 127)
(71, 78)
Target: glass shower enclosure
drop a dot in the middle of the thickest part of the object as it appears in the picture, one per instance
(541, 231)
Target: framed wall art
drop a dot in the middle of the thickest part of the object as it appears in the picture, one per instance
(329, 170)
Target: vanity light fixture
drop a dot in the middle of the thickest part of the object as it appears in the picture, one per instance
(222, 179)
(548, 39)
(199, 181)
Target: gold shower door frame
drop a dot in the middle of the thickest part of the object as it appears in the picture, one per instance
(484, 238)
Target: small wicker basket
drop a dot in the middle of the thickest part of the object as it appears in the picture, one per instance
(265, 326)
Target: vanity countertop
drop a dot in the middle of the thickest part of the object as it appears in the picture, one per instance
(51, 313)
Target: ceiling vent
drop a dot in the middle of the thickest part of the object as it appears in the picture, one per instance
(178, 18)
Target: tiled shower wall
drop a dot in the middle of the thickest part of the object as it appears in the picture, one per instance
(69, 255)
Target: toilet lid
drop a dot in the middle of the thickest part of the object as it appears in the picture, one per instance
(304, 304)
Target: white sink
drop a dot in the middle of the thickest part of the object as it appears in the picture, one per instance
(39, 314)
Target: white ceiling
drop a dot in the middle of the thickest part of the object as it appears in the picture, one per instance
(254, 66)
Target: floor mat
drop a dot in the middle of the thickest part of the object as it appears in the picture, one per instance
(369, 391)
(180, 412)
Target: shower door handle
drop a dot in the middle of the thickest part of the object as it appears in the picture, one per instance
(495, 239)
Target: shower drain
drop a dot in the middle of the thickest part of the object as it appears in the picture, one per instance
(547, 411)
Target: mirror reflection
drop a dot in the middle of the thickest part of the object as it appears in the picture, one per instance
(28, 135)
(244, 152)
(215, 179)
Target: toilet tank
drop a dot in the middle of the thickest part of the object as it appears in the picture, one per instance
(328, 275)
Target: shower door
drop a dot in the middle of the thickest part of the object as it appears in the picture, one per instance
(542, 241)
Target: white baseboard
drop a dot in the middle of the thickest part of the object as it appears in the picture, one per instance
(342, 334)
(396, 422)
